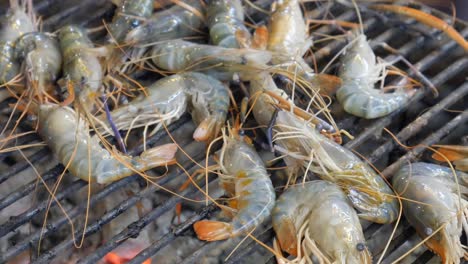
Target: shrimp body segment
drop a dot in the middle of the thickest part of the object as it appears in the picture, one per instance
(431, 201)
(168, 98)
(244, 169)
(80, 66)
(68, 137)
(331, 222)
(129, 15)
(14, 24)
(288, 31)
(180, 55)
(306, 149)
(359, 72)
(225, 20)
(175, 22)
(42, 57)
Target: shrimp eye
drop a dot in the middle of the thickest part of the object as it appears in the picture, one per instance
(135, 23)
(360, 247)
(428, 231)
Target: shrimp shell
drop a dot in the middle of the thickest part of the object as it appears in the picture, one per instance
(80, 65)
(360, 72)
(288, 32)
(332, 222)
(175, 22)
(180, 55)
(128, 16)
(431, 200)
(225, 19)
(15, 23)
(42, 57)
(67, 136)
(253, 191)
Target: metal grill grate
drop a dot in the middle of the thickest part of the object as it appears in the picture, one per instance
(425, 121)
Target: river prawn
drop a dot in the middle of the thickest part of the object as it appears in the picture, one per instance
(304, 148)
(81, 66)
(432, 204)
(67, 135)
(167, 99)
(332, 232)
(17, 21)
(42, 60)
(245, 173)
(226, 22)
(222, 63)
(175, 22)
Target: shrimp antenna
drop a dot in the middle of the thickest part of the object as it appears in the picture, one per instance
(358, 13)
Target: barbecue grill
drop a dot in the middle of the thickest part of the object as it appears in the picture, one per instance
(424, 121)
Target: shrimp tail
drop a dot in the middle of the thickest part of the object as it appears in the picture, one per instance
(207, 129)
(448, 252)
(286, 236)
(157, 156)
(212, 230)
(451, 155)
(327, 83)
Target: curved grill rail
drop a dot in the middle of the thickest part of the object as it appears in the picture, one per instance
(424, 121)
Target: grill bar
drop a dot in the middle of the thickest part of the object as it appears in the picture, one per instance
(422, 121)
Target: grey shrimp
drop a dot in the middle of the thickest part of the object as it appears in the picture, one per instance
(330, 221)
(226, 21)
(432, 201)
(168, 98)
(67, 136)
(244, 171)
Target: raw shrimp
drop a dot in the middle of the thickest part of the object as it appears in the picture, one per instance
(432, 201)
(332, 223)
(42, 58)
(359, 72)
(68, 137)
(15, 23)
(180, 55)
(225, 20)
(167, 100)
(456, 153)
(306, 149)
(175, 22)
(129, 15)
(243, 171)
(81, 66)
